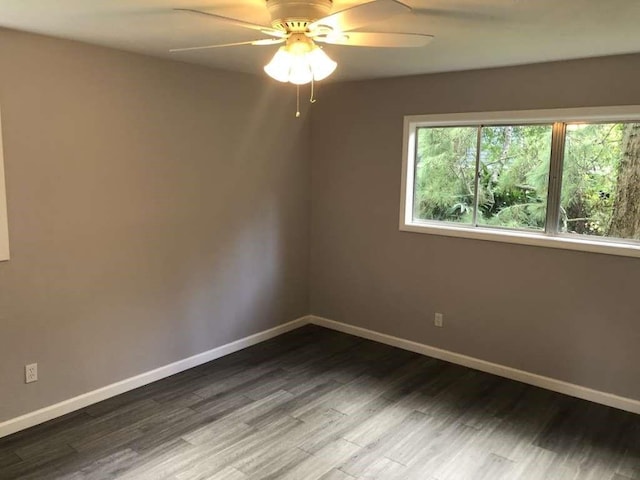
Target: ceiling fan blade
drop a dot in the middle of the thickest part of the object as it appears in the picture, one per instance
(376, 39)
(239, 23)
(360, 15)
(265, 41)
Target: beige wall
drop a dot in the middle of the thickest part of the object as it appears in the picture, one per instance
(156, 210)
(568, 315)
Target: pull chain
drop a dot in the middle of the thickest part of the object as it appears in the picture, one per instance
(312, 99)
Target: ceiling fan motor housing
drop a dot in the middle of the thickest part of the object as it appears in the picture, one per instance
(296, 15)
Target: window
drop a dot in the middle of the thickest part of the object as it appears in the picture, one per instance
(506, 165)
(601, 180)
(559, 178)
(4, 232)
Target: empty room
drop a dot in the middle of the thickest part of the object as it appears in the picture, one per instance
(320, 240)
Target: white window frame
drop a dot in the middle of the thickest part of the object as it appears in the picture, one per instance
(4, 224)
(552, 239)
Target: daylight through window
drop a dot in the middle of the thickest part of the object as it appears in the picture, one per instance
(571, 178)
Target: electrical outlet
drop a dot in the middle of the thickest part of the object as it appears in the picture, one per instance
(438, 320)
(31, 373)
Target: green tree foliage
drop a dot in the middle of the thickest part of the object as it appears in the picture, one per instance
(514, 176)
(601, 177)
(625, 219)
(592, 154)
(445, 174)
(512, 184)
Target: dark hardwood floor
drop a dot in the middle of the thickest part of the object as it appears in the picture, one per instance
(317, 404)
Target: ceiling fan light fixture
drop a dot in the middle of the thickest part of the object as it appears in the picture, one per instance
(321, 64)
(299, 24)
(299, 62)
(280, 65)
(300, 72)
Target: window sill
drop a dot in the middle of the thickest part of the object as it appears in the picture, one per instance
(565, 242)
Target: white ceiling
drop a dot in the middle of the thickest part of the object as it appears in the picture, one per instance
(468, 33)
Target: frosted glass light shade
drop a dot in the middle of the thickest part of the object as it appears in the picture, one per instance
(300, 71)
(280, 65)
(300, 68)
(321, 65)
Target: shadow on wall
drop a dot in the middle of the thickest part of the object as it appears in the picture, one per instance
(247, 270)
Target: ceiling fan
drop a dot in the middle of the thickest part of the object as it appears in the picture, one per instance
(299, 24)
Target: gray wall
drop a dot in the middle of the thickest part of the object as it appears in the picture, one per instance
(568, 315)
(156, 210)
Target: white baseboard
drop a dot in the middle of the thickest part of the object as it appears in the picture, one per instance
(53, 411)
(552, 384)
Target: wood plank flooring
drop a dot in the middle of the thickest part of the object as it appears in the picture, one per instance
(315, 404)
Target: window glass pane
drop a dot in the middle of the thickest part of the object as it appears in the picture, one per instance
(601, 180)
(514, 176)
(445, 174)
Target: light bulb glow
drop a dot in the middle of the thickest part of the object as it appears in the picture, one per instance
(300, 72)
(299, 62)
(321, 65)
(280, 65)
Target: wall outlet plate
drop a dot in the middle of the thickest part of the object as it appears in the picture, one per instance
(438, 320)
(31, 373)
